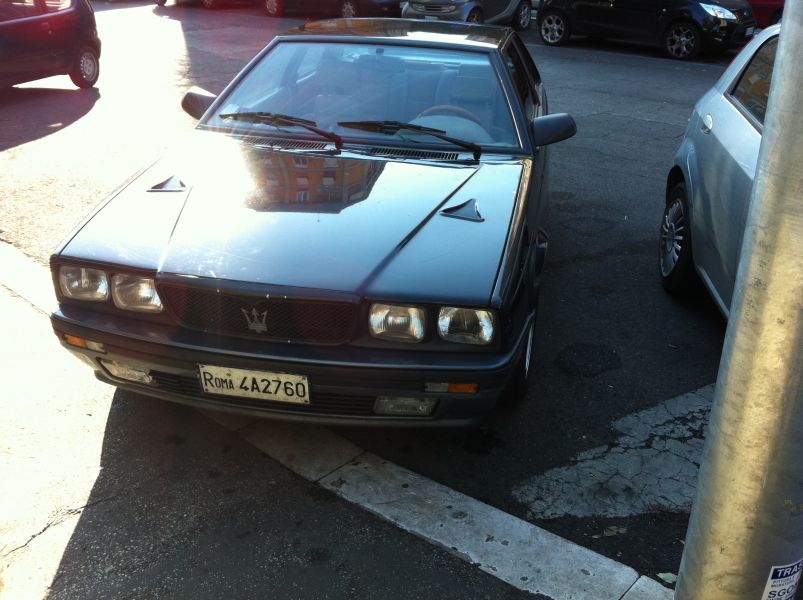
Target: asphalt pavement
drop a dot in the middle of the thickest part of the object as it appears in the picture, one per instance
(619, 366)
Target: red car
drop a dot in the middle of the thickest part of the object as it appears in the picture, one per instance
(767, 12)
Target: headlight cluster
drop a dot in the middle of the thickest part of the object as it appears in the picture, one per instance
(718, 11)
(408, 324)
(129, 292)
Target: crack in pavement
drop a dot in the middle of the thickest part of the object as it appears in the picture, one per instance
(651, 467)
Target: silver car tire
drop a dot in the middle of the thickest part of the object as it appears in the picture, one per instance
(554, 28)
(675, 262)
(86, 69)
(274, 8)
(348, 9)
(682, 40)
(523, 16)
(475, 16)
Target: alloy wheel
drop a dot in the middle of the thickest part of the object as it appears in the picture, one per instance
(553, 28)
(272, 7)
(88, 66)
(348, 10)
(524, 16)
(474, 17)
(673, 229)
(681, 40)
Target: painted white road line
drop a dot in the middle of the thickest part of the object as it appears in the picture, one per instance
(515, 551)
(647, 589)
(651, 467)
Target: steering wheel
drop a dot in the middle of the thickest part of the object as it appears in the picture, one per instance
(450, 108)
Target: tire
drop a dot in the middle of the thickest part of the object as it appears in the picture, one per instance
(523, 16)
(348, 9)
(86, 69)
(675, 263)
(519, 384)
(161, 2)
(274, 8)
(682, 40)
(554, 28)
(209, 4)
(475, 16)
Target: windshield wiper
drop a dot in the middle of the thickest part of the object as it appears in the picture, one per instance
(393, 127)
(277, 119)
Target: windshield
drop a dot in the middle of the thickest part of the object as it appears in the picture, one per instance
(455, 92)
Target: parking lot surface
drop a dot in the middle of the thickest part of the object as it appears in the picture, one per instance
(619, 398)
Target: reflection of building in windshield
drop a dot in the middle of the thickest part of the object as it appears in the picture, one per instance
(290, 182)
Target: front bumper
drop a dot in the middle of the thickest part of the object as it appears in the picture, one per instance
(729, 34)
(415, 10)
(342, 391)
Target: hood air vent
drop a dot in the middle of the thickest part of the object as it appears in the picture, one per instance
(467, 211)
(406, 153)
(171, 184)
(274, 142)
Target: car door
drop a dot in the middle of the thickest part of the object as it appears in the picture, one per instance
(594, 17)
(635, 19)
(728, 140)
(493, 10)
(64, 33)
(23, 40)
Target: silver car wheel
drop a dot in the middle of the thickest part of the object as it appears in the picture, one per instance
(271, 6)
(553, 28)
(524, 15)
(681, 40)
(88, 66)
(348, 10)
(474, 16)
(672, 233)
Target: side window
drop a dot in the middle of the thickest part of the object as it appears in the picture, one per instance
(18, 9)
(753, 88)
(518, 74)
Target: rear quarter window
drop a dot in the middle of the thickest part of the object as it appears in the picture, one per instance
(752, 89)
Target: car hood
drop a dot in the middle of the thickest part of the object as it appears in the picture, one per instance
(235, 210)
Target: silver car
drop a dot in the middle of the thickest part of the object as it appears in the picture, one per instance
(708, 188)
(517, 13)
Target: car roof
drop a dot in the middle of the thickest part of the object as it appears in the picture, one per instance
(414, 31)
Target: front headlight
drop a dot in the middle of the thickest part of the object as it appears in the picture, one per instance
(82, 283)
(466, 325)
(399, 323)
(718, 11)
(131, 292)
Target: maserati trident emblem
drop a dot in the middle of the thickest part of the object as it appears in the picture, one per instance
(256, 320)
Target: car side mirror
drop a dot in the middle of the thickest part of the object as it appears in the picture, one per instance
(553, 128)
(197, 101)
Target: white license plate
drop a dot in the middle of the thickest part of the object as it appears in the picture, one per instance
(430, 18)
(245, 383)
(749, 31)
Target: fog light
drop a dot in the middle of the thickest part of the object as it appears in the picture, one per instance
(122, 371)
(74, 340)
(394, 405)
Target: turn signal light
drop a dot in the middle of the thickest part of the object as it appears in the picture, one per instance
(463, 388)
(74, 340)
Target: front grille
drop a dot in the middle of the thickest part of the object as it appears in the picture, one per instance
(328, 404)
(433, 8)
(281, 319)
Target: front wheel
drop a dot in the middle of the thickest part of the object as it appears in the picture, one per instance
(161, 2)
(523, 16)
(674, 251)
(475, 16)
(348, 9)
(555, 28)
(274, 8)
(86, 70)
(682, 40)
(519, 384)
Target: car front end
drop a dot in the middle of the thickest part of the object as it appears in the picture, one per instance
(443, 10)
(725, 25)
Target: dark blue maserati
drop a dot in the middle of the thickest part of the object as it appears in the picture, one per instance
(352, 235)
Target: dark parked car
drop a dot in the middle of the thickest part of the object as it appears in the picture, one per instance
(41, 38)
(516, 12)
(683, 28)
(354, 234)
(345, 8)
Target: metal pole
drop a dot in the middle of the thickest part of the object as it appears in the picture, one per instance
(745, 537)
